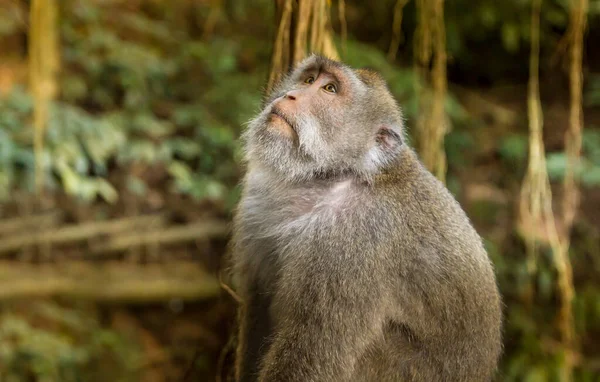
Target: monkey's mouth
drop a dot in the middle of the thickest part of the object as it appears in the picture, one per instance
(275, 113)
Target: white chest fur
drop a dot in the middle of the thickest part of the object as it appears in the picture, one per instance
(275, 209)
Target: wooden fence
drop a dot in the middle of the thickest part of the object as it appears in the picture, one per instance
(122, 260)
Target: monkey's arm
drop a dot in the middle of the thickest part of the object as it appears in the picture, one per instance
(253, 271)
(329, 311)
(254, 331)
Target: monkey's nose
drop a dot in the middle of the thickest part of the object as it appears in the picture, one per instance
(289, 96)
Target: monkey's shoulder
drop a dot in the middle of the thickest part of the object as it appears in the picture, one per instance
(412, 188)
(426, 211)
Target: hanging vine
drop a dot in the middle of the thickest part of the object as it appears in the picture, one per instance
(430, 51)
(280, 60)
(43, 69)
(396, 29)
(536, 203)
(343, 24)
(570, 202)
(573, 136)
(214, 13)
(312, 32)
(536, 198)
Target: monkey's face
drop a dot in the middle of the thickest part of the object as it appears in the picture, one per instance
(321, 120)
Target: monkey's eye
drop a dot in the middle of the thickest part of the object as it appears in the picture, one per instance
(330, 88)
(309, 80)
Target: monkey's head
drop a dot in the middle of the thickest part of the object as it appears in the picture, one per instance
(326, 119)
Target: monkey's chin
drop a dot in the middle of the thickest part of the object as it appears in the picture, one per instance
(279, 126)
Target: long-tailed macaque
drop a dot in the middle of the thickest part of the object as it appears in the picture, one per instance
(353, 261)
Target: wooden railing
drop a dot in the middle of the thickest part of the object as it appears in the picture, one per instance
(41, 256)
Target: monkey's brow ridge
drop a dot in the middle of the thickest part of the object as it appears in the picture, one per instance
(321, 69)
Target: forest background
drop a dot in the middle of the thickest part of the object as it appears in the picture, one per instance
(119, 167)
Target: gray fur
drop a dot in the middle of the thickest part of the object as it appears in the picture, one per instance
(354, 262)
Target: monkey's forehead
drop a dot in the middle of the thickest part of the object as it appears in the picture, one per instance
(319, 63)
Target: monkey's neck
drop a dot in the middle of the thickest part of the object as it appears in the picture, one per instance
(403, 159)
(335, 176)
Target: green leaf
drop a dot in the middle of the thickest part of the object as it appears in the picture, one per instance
(556, 164)
(214, 189)
(106, 190)
(488, 14)
(136, 185)
(514, 147)
(74, 88)
(545, 283)
(591, 176)
(510, 37)
(536, 374)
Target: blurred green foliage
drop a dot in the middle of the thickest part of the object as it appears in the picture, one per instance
(513, 149)
(487, 40)
(589, 166)
(155, 100)
(592, 94)
(508, 21)
(69, 345)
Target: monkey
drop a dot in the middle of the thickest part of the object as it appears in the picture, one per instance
(354, 263)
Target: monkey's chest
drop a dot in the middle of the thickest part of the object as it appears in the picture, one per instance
(294, 222)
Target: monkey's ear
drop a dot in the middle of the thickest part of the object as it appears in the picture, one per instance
(388, 138)
(388, 141)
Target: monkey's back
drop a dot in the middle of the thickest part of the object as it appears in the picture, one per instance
(448, 318)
